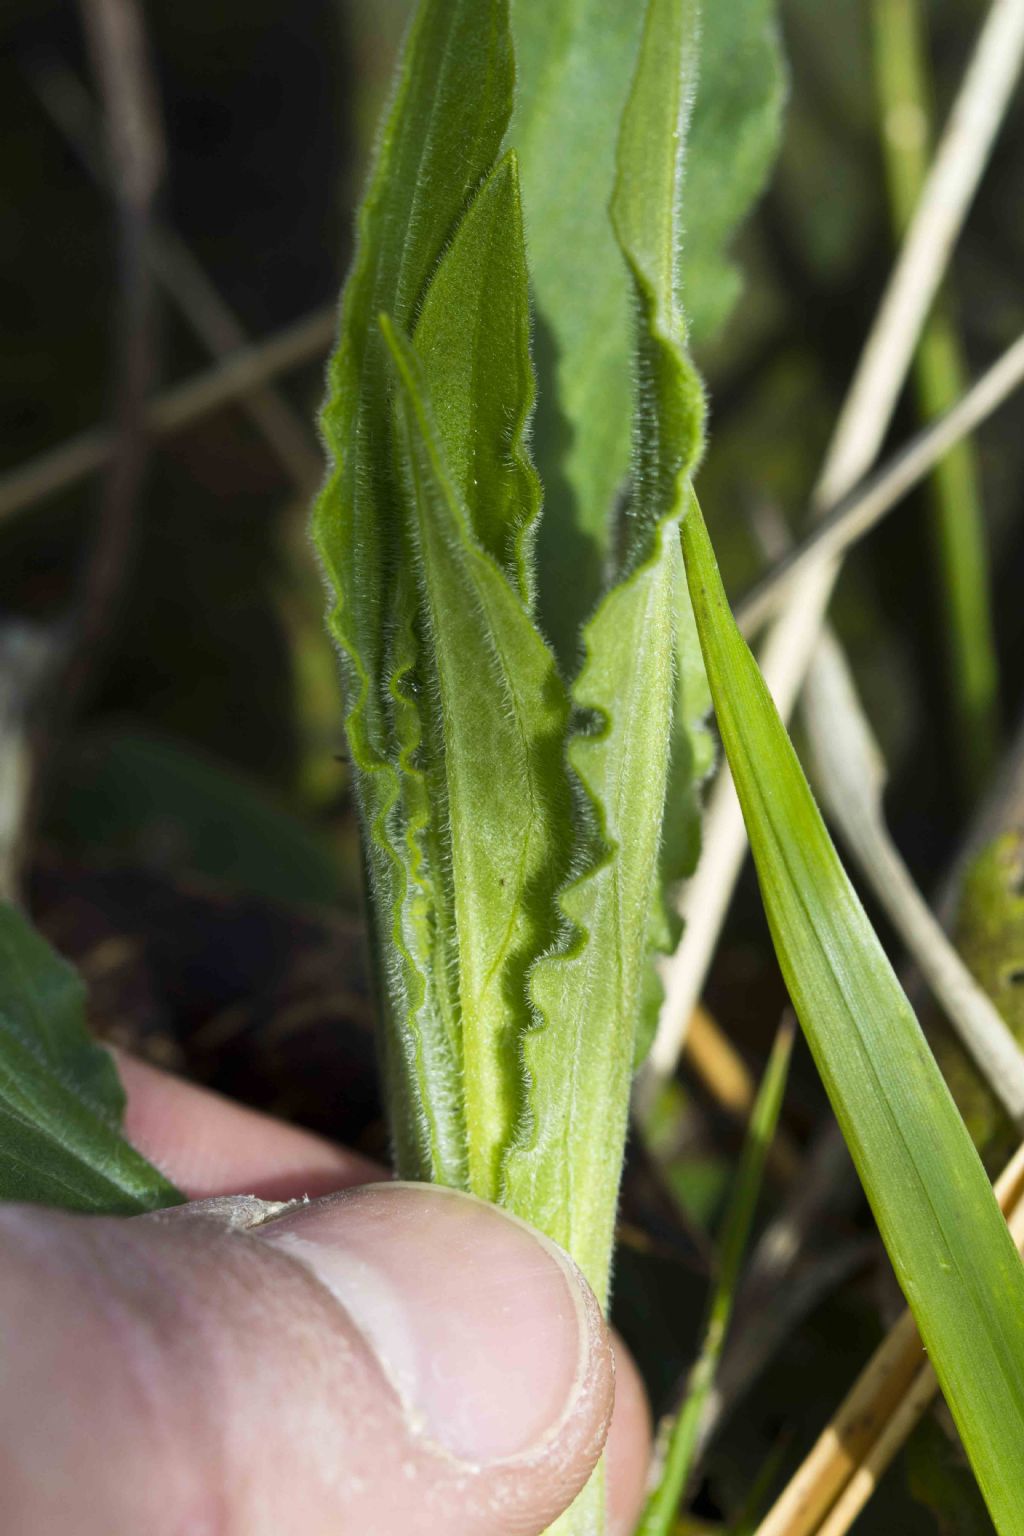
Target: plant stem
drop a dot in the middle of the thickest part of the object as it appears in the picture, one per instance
(660, 1514)
(957, 519)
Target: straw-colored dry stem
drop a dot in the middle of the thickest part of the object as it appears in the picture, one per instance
(884, 1404)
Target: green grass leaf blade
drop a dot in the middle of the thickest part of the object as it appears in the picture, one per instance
(663, 1505)
(503, 714)
(935, 1209)
(451, 106)
(61, 1100)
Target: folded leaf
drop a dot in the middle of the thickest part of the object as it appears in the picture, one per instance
(503, 713)
(61, 1101)
(576, 61)
(448, 117)
(734, 138)
(588, 995)
(938, 1217)
(473, 336)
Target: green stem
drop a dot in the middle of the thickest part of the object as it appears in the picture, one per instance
(957, 520)
(662, 1508)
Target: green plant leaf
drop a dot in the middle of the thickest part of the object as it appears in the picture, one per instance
(734, 139)
(576, 61)
(691, 758)
(936, 1212)
(503, 713)
(61, 1101)
(579, 1059)
(473, 337)
(448, 116)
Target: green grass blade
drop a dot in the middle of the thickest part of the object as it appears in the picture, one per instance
(503, 713)
(61, 1100)
(935, 1209)
(940, 377)
(442, 134)
(663, 1504)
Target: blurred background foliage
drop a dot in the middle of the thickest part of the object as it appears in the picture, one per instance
(194, 848)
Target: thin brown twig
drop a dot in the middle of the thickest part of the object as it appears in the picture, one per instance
(43, 699)
(67, 103)
(116, 36)
(72, 461)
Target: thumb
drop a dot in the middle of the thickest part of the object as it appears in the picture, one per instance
(392, 1359)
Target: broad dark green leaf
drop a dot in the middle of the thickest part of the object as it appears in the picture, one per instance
(450, 110)
(935, 1209)
(61, 1101)
(503, 713)
(589, 994)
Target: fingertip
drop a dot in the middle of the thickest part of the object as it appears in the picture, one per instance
(628, 1447)
(392, 1358)
(487, 1331)
(207, 1145)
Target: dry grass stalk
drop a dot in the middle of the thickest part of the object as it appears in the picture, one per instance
(886, 1401)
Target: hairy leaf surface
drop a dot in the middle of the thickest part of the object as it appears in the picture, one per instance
(503, 713)
(61, 1100)
(474, 339)
(580, 1058)
(443, 132)
(576, 60)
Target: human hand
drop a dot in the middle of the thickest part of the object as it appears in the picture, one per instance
(387, 1360)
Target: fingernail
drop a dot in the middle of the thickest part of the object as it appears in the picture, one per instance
(487, 1332)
